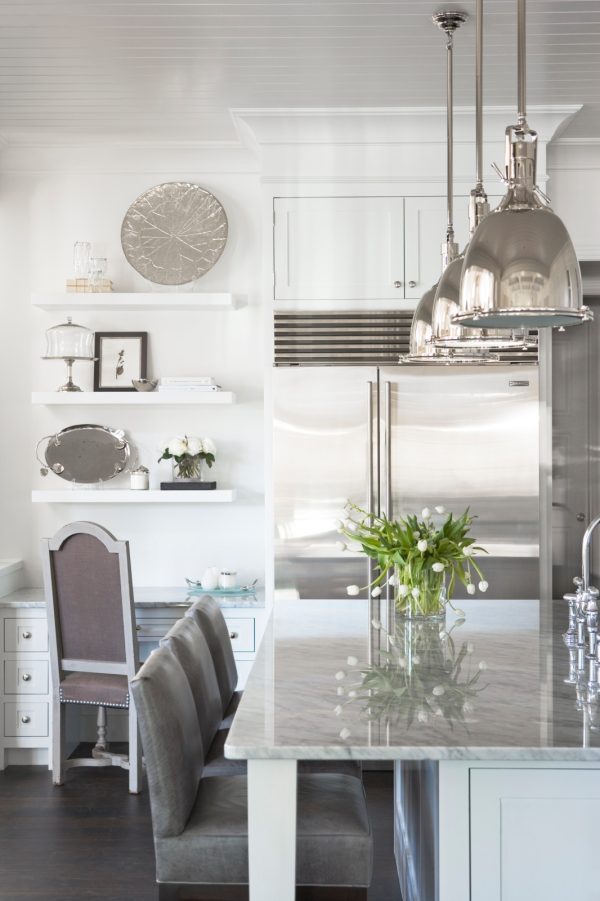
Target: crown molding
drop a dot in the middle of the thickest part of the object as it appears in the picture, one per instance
(385, 125)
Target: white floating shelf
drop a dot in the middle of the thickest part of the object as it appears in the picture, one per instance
(126, 496)
(115, 301)
(137, 398)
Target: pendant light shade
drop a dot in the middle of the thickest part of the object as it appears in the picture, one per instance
(419, 344)
(520, 269)
(446, 332)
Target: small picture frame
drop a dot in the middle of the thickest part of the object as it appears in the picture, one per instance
(120, 357)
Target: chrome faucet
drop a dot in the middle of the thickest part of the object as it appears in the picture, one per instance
(585, 554)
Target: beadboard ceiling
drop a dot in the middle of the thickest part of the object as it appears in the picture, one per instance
(171, 70)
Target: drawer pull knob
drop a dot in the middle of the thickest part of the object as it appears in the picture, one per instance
(25, 719)
(138, 628)
(26, 634)
(26, 677)
(397, 284)
(412, 284)
(234, 635)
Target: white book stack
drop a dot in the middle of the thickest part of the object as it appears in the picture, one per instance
(193, 383)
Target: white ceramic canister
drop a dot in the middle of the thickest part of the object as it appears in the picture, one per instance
(139, 480)
(210, 578)
(227, 579)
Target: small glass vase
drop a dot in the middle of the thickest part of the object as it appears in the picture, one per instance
(426, 598)
(189, 469)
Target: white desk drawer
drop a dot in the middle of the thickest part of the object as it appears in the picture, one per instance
(25, 677)
(23, 634)
(241, 632)
(23, 719)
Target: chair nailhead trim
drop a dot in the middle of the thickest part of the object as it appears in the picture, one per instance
(64, 700)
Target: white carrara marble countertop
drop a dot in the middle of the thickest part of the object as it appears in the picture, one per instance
(143, 598)
(327, 685)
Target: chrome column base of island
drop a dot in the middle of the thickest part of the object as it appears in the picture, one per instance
(489, 719)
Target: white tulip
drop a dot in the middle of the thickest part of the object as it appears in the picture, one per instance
(438, 567)
(438, 711)
(345, 733)
(470, 647)
(341, 690)
(351, 526)
(422, 715)
(438, 690)
(177, 447)
(340, 545)
(416, 534)
(403, 590)
(376, 592)
(440, 510)
(483, 585)
(402, 662)
(352, 694)
(353, 590)
(416, 659)
(339, 525)
(392, 581)
(415, 593)
(376, 624)
(482, 665)
(471, 588)
(340, 675)
(352, 661)
(426, 513)
(468, 551)
(338, 710)
(467, 708)
(208, 446)
(422, 545)
(194, 446)
(459, 612)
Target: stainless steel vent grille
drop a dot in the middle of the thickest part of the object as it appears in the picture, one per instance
(347, 339)
(341, 339)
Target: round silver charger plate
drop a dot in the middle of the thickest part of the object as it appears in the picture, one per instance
(174, 233)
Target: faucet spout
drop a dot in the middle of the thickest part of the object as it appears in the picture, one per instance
(586, 553)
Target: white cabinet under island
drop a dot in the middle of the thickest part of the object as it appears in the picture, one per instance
(490, 723)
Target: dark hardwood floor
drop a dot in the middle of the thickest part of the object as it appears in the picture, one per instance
(91, 839)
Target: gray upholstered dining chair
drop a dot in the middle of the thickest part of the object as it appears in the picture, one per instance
(187, 642)
(200, 825)
(209, 617)
(93, 645)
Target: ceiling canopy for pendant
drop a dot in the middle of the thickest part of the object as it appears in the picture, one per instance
(445, 332)
(520, 269)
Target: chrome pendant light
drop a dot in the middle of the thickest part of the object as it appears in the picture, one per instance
(421, 347)
(445, 333)
(520, 269)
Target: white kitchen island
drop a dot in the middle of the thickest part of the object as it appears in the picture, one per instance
(497, 762)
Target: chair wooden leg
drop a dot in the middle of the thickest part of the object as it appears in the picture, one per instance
(58, 741)
(135, 752)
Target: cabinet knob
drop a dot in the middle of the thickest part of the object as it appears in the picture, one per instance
(234, 635)
(138, 628)
(26, 677)
(397, 284)
(26, 634)
(580, 517)
(412, 284)
(25, 719)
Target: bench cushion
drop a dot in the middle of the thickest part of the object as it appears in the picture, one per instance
(334, 843)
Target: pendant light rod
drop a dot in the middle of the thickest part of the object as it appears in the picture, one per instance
(479, 94)
(521, 62)
(450, 136)
(449, 21)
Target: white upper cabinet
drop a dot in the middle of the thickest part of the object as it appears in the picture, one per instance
(425, 221)
(361, 250)
(339, 248)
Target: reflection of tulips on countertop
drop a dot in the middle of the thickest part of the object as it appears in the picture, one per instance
(424, 676)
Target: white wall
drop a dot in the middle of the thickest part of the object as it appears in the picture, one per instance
(49, 198)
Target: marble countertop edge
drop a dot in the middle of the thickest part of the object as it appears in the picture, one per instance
(241, 752)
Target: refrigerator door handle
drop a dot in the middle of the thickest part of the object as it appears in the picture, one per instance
(387, 427)
(370, 450)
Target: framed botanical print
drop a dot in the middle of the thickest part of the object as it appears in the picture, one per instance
(120, 357)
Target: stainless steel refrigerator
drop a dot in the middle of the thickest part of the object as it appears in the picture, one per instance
(394, 439)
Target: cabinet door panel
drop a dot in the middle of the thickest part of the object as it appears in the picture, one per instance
(425, 230)
(339, 248)
(534, 835)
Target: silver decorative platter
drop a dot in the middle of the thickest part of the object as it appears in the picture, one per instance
(85, 454)
(174, 233)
